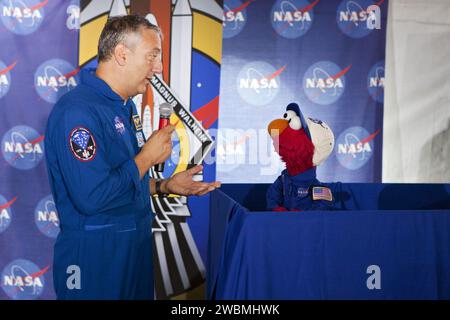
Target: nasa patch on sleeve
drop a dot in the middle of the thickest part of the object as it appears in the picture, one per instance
(82, 144)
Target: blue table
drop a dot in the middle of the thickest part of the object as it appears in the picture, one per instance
(391, 242)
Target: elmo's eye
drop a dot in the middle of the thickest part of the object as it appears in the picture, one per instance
(293, 119)
(289, 115)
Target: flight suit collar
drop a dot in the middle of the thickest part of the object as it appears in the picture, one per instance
(89, 78)
(309, 176)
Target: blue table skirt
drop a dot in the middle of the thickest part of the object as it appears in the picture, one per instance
(352, 254)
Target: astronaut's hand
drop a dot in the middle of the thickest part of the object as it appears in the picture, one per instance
(156, 150)
(182, 184)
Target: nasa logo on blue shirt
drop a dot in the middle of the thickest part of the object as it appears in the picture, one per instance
(324, 82)
(302, 192)
(54, 78)
(23, 280)
(234, 17)
(23, 147)
(118, 124)
(82, 144)
(292, 18)
(22, 16)
(46, 217)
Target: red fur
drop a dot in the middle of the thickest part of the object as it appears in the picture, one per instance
(296, 150)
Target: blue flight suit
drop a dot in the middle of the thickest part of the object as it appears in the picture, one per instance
(103, 206)
(295, 193)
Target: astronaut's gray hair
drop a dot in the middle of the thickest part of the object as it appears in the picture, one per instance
(116, 31)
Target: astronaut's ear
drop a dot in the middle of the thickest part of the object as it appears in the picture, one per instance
(120, 54)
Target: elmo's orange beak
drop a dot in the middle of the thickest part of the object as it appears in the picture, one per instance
(276, 127)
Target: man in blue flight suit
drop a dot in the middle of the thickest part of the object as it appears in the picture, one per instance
(98, 162)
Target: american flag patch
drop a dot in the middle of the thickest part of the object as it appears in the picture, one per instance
(322, 193)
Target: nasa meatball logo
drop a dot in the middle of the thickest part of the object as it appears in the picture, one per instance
(353, 15)
(5, 213)
(324, 82)
(54, 78)
(258, 82)
(355, 147)
(118, 124)
(22, 16)
(375, 82)
(292, 18)
(23, 147)
(5, 77)
(234, 17)
(23, 280)
(46, 217)
(82, 144)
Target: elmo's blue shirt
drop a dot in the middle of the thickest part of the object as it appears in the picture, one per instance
(303, 192)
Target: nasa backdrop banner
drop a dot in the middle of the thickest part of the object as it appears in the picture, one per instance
(44, 45)
(38, 64)
(327, 56)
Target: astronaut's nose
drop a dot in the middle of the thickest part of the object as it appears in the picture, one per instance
(276, 127)
(157, 67)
